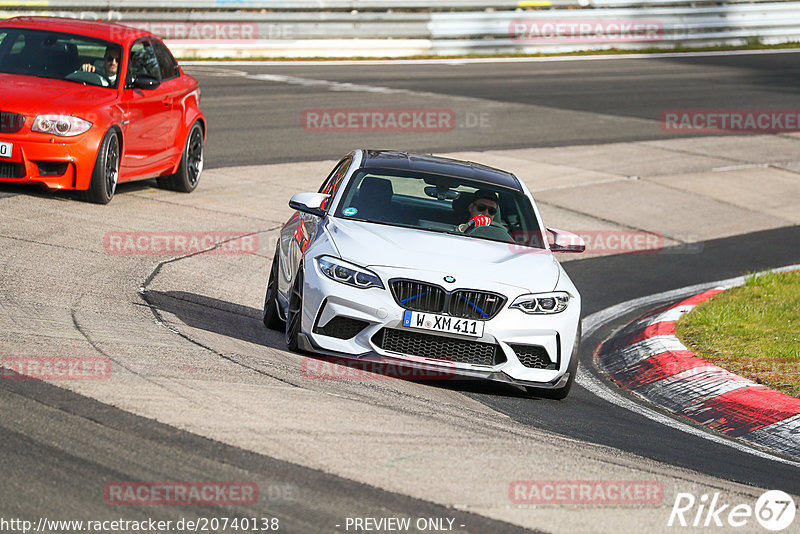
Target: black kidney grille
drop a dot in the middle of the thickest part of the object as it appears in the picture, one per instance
(342, 327)
(464, 303)
(418, 296)
(475, 304)
(438, 347)
(532, 356)
(11, 122)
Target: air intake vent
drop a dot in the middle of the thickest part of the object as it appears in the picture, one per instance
(533, 356)
(342, 327)
(438, 347)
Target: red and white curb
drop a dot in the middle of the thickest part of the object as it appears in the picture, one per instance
(647, 358)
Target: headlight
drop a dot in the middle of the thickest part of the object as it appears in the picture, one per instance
(61, 125)
(347, 273)
(542, 303)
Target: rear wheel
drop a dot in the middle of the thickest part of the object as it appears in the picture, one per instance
(191, 165)
(272, 319)
(294, 315)
(106, 170)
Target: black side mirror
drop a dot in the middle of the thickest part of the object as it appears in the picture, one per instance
(145, 82)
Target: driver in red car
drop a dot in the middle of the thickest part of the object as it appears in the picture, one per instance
(481, 210)
(109, 69)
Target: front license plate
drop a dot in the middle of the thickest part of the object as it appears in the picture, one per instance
(443, 323)
(5, 149)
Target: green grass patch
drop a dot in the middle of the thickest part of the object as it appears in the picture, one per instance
(752, 330)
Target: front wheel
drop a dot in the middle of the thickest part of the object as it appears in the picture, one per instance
(191, 165)
(294, 315)
(106, 170)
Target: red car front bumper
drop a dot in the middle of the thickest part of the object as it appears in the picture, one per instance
(56, 162)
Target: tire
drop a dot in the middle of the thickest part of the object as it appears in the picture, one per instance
(272, 319)
(191, 165)
(562, 392)
(294, 315)
(106, 170)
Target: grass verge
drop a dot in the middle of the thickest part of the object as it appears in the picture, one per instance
(752, 330)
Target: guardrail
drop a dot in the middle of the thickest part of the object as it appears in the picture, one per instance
(237, 33)
(321, 5)
(360, 5)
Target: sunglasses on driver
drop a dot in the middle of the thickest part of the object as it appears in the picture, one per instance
(485, 207)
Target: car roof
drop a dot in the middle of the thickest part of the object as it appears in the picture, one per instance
(109, 31)
(387, 159)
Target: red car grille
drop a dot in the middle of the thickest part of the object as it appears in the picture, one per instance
(11, 122)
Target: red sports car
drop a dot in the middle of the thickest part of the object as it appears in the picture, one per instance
(87, 105)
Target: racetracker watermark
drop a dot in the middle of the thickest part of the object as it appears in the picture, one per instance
(597, 241)
(586, 492)
(55, 368)
(774, 510)
(391, 120)
(690, 121)
(585, 30)
(227, 31)
(181, 493)
(169, 243)
(341, 369)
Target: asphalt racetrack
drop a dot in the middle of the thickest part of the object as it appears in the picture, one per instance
(199, 391)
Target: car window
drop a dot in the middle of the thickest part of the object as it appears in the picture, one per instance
(48, 54)
(436, 203)
(11, 46)
(143, 60)
(166, 63)
(334, 180)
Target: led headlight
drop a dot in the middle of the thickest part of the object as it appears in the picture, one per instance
(61, 125)
(347, 273)
(542, 303)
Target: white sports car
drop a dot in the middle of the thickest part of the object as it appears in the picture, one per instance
(429, 263)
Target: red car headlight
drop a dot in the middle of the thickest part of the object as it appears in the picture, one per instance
(61, 125)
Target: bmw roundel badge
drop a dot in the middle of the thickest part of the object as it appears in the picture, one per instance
(449, 279)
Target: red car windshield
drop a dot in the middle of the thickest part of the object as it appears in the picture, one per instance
(61, 56)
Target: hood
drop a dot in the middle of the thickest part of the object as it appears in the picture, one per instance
(29, 95)
(466, 258)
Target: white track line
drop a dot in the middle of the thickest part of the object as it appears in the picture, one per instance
(596, 386)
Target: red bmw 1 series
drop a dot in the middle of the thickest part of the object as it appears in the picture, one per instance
(86, 105)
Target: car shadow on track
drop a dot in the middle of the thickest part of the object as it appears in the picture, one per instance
(244, 323)
(11, 189)
(217, 316)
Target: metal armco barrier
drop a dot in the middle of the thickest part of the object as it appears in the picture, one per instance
(290, 31)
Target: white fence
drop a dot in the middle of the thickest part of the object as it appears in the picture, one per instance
(290, 28)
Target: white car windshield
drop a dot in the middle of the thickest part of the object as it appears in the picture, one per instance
(440, 204)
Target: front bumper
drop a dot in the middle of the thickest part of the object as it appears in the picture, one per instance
(57, 163)
(429, 371)
(361, 317)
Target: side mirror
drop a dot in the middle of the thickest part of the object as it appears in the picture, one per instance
(145, 82)
(309, 203)
(565, 241)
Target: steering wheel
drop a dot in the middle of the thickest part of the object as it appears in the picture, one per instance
(83, 76)
(471, 226)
